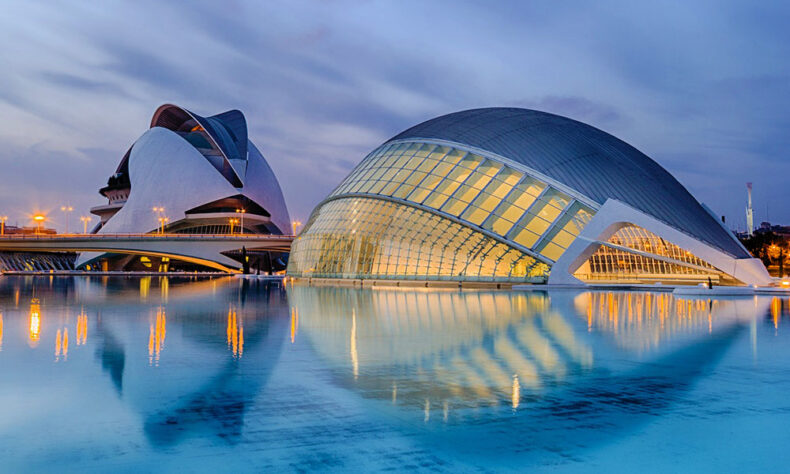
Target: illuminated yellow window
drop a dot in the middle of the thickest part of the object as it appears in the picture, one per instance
(563, 239)
(355, 187)
(487, 202)
(427, 165)
(450, 184)
(490, 168)
(537, 225)
(521, 199)
(454, 206)
(425, 150)
(549, 213)
(552, 251)
(416, 177)
(466, 193)
(475, 215)
(389, 188)
(510, 212)
(413, 162)
(438, 152)
(526, 238)
(453, 156)
(401, 176)
(578, 219)
(442, 169)
(436, 199)
(418, 195)
(478, 180)
(470, 161)
(498, 188)
(376, 187)
(497, 224)
(401, 161)
(378, 173)
(389, 174)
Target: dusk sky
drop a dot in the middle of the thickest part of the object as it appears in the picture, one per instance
(701, 87)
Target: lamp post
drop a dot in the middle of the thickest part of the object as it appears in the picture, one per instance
(66, 210)
(232, 221)
(158, 211)
(294, 225)
(85, 220)
(39, 218)
(162, 223)
(2, 224)
(241, 211)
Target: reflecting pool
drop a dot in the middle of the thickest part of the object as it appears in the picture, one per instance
(227, 374)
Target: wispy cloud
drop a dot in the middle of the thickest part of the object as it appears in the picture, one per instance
(701, 87)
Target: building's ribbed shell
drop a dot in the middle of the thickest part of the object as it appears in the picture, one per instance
(590, 161)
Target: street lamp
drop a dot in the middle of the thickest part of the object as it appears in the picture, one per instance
(294, 225)
(66, 210)
(232, 221)
(85, 220)
(162, 222)
(2, 224)
(39, 218)
(158, 211)
(241, 211)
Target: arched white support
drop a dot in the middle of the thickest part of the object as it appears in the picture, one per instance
(614, 215)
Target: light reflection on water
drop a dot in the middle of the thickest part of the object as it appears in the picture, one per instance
(246, 375)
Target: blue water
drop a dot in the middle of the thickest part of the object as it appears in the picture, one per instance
(155, 374)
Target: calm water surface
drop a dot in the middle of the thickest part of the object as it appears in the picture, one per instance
(103, 374)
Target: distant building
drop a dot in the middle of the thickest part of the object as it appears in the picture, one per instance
(779, 230)
(14, 230)
(517, 196)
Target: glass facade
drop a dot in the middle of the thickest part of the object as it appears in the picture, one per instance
(359, 237)
(477, 190)
(416, 209)
(619, 262)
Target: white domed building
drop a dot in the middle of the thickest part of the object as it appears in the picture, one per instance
(190, 174)
(507, 195)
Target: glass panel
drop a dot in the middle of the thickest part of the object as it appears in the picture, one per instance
(537, 225)
(490, 168)
(354, 238)
(454, 206)
(552, 251)
(475, 215)
(466, 193)
(478, 180)
(453, 156)
(526, 238)
(470, 161)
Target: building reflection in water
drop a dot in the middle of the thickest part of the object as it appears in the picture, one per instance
(156, 336)
(82, 328)
(145, 287)
(642, 321)
(62, 345)
(426, 348)
(442, 348)
(294, 324)
(235, 333)
(35, 322)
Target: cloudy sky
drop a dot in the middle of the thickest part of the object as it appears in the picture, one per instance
(701, 87)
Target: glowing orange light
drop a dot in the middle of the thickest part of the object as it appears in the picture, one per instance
(156, 337)
(294, 324)
(35, 322)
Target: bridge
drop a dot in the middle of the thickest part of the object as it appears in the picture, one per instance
(201, 249)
